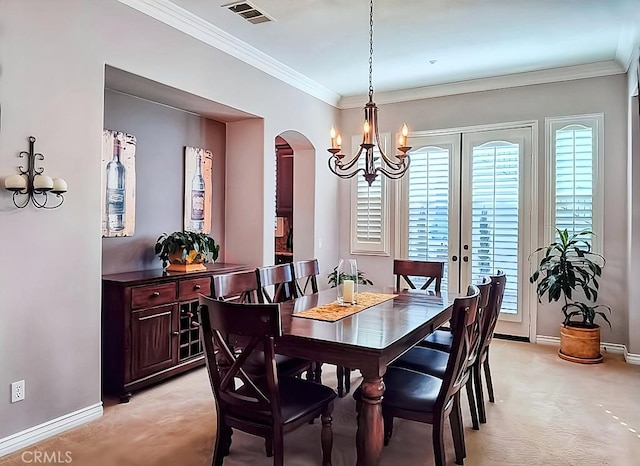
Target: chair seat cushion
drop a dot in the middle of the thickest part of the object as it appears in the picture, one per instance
(424, 360)
(440, 340)
(297, 398)
(410, 390)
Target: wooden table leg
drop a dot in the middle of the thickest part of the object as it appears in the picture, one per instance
(370, 436)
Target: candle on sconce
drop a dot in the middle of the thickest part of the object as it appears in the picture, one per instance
(59, 185)
(339, 141)
(42, 183)
(15, 183)
(333, 137)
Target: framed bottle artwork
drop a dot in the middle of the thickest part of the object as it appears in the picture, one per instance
(118, 183)
(197, 189)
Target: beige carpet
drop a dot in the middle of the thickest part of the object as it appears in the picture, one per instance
(547, 412)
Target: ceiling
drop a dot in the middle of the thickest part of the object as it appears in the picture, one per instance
(420, 43)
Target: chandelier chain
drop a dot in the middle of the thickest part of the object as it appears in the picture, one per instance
(371, 50)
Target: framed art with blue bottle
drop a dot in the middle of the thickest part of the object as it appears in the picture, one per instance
(197, 189)
(118, 183)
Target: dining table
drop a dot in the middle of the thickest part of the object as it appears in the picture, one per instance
(368, 340)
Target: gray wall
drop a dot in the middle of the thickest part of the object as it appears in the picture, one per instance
(162, 133)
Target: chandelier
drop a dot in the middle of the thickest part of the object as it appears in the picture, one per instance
(391, 167)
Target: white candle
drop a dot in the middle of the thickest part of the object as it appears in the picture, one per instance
(348, 291)
(42, 183)
(15, 183)
(59, 185)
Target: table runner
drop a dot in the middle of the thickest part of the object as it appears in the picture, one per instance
(333, 311)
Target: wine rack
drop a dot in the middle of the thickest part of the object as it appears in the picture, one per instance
(189, 331)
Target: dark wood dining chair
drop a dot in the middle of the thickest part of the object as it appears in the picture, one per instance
(266, 405)
(306, 271)
(305, 275)
(424, 398)
(488, 322)
(281, 278)
(242, 287)
(432, 271)
(434, 362)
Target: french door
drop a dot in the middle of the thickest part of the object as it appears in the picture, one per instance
(467, 206)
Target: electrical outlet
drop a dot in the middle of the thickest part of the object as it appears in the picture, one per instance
(17, 391)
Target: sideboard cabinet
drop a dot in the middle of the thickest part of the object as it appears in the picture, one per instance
(150, 328)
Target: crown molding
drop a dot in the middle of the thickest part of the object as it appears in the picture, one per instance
(177, 17)
(591, 70)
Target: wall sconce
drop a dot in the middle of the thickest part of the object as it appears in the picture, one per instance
(33, 184)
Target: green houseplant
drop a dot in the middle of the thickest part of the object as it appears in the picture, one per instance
(186, 251)
(332, 278)
(568, 267)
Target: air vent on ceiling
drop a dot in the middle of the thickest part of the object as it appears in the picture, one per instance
(248, 12)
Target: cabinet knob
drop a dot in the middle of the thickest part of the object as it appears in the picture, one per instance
(196, 287)
(175, 334)
(155, 294)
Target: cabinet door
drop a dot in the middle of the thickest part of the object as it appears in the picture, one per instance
(153, 340)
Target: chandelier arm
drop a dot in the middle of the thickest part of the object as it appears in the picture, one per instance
(394, 175)
(388, 161)
(342, 174)
(353, 161)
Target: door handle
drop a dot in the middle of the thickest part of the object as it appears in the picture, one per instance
(465, 258)
(454, 258)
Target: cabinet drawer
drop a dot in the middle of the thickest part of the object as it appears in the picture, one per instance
(152, 295)
(190, 289)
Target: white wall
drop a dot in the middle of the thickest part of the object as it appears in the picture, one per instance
(52, 58)
(583, 96)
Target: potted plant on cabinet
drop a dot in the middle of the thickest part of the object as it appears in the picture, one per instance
(186, 251)
(569, 267)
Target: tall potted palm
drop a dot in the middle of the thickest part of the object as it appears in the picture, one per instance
(568, 267)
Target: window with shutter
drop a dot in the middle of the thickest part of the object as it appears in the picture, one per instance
(369, 206)
(573, 161)
(428, 207)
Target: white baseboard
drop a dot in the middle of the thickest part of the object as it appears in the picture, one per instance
(48, 429)
(614, 348)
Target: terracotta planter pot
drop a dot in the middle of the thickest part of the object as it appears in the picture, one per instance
(579, 344)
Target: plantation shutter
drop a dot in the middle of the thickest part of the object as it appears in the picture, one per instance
(369, 225)
(428, 207)
(494, 212)
(574, 178)
(574, 144)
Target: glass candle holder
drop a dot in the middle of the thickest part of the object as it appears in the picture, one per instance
(347, 281)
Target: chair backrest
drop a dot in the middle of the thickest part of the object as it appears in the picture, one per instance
(239, 287)
(474, 343)
(463, 326)
(281, 276)
(256, 325)
(306, 271)
(492, 311)
(404, 269)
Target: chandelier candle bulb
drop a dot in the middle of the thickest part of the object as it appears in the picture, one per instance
(42, 183)
(333, 138)
(15, 183)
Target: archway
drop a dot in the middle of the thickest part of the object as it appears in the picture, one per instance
(295, 197)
